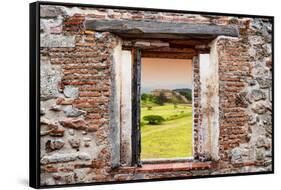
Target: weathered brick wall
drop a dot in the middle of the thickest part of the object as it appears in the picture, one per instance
(196, 105)
(76, 87)
(77, 82)
(234, 70)
(245, 103)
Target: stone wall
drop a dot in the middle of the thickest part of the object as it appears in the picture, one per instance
(78, 142)
(245, 102)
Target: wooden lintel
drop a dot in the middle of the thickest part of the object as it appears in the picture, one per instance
(158, 30)
(172, 42)
(144, 44)
(152, 48)
(189, 42)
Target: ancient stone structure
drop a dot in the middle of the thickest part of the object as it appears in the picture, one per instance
(84, 133)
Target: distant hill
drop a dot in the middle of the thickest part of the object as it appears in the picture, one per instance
(171, 95)
(186, 92)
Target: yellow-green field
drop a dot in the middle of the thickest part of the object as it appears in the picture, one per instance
(170, 139)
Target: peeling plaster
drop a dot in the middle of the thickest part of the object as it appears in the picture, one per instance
(114, 136)
(126, 108)
(209, 128)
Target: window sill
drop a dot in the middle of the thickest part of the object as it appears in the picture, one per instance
(167, 160)
(169, 167)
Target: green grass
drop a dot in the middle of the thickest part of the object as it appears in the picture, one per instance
(166, 111)
(172, 138)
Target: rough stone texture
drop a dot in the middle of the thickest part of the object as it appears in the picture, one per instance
(49, 40)
(54, 145)
(77, 88)
(64, 157)
(50, 11)
(50, 78)
(71, 111)
(71, 92)
(244, 72)
(257, 95)
(75, 143)
(51, 26)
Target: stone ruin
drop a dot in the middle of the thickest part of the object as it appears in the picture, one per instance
(85, 136)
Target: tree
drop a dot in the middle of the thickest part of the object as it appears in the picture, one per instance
(144, 96)
(189, 95)
(161, 99)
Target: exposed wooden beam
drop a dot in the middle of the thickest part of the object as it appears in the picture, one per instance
(172, 42)
(128, 44)
(156, 47)
(158, 30)
(188, 42)
(183, 45)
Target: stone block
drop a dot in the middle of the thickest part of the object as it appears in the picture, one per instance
(71, 111)
(264, 83)
(259, 108)
(53, 41)
(67, 157)
(50, 11)
(71, 92)
(52, 145)
(256, 95)
(74, 143)
(50, 76)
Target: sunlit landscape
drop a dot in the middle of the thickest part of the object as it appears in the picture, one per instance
(166, 127)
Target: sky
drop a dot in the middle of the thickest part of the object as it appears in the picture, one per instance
(161, 73)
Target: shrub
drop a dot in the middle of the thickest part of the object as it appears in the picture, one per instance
(154, 119)
(144, 96)
(149, 107)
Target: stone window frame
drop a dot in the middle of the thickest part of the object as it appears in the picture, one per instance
(127, 124)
